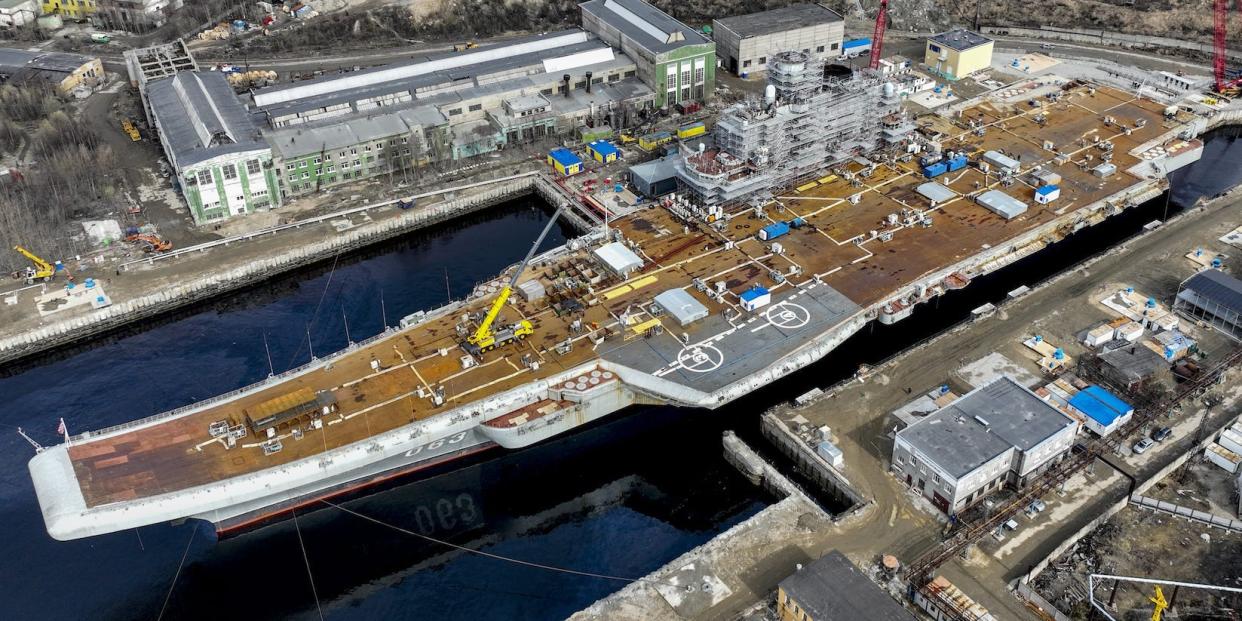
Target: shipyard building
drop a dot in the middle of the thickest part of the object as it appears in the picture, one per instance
(59, 71)
(997, 434)
(746, 43)
(223, 165)
(338, 128)
(675, 60)
(958, 53)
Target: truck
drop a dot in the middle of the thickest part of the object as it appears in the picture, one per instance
(484, 339)
(854, 48)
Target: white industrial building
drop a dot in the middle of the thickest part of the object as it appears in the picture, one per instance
(997, 434)
(745, 43)
(618, 259)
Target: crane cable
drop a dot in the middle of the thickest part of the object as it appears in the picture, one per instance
(490, 555)
(177, 575)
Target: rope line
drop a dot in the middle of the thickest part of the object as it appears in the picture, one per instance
(490, 555)
(315, 315)
(306, 560)
(168, 596)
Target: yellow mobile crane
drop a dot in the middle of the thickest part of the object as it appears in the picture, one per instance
(1161, 603)
(484, 339)
(42, 270)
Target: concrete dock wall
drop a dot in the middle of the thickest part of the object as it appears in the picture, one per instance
(825, 476)
(214, 284)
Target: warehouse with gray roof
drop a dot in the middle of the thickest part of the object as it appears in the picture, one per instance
(677, 61)
(996, 434)
(223, 165)
(745, 43)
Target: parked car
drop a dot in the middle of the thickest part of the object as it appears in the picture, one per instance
(1045, 46)
(1141, 446)
(1161, 434)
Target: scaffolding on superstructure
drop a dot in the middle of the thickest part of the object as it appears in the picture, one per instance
(802, 126)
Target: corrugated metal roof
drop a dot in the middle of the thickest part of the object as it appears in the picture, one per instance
(792, 17)
(682, 306)
(388, 73)
(935, 192)
(1219, 287)
(1100, 405)
(1002, 204)
(644, 24)
(200, 117)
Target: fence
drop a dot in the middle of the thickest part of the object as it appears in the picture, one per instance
(1186, 512)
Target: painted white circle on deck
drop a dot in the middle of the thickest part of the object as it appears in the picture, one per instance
(788, 315)
(700, 358)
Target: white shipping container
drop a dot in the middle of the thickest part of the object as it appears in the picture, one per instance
(1231, 440)
(831, 454)
(1223, 457)
(1131, 332)
(1099, 336)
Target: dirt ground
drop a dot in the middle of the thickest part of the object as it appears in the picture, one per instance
(1141, 543)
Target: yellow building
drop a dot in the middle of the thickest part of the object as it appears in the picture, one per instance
(71, 9)
(833, 589)
(60, 70)
(958, 53)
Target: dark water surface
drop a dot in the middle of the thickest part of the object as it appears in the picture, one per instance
(619, 498)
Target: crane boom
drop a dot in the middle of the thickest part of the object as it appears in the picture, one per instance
(877, 37)
(43, 269)
(484, 333)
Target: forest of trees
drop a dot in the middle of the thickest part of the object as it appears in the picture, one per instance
(63, 174)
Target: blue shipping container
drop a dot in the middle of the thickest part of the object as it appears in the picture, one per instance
(797, 223)
(772, 231)
(935, 170)
(853, 43)
(957, 163)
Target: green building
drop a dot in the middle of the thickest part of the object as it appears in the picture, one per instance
(676, 61)
(223, 166)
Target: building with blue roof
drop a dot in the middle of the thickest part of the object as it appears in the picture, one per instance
(1104, 412)
(1047, 193)
(564, 161)
(755, 298)
(603, 151)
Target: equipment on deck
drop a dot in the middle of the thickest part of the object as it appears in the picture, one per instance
(42, 270)
(877, 39)
(484, 339)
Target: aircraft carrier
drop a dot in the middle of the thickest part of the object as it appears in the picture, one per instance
(775, 251)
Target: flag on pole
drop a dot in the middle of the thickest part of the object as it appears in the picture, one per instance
(61, 428)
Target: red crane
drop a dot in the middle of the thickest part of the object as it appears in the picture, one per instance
(881, 22)
(1220, 27)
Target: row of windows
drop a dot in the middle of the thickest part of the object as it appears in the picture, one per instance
(229, 172)
(763, 60)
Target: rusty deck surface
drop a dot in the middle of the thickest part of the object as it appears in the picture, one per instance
(180, 453)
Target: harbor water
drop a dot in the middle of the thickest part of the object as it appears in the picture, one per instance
(620, 498)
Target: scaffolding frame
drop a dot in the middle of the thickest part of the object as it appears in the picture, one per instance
(811, 124)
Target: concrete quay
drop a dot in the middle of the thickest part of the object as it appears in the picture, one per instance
(163, 283)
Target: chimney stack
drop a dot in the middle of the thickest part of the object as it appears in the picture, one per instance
(588, 81)
(565, 79)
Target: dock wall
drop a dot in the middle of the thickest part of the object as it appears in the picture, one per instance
(815, 468)
(210, 285)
